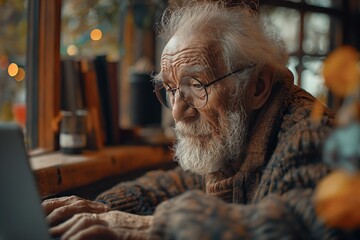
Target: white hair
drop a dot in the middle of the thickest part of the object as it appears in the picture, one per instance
(238, 31)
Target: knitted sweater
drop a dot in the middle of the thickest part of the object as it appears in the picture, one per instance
(269, 196)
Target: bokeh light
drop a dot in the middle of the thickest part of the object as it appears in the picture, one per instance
(13, 69)
(96, 34)
(72, 50)
(20, 75)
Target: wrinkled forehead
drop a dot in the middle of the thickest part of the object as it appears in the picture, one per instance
(191, 52)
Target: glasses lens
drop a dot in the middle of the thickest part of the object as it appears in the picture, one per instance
(193, 92)
(163, 95)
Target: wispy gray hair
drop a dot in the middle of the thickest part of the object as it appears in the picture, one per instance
(240, 33)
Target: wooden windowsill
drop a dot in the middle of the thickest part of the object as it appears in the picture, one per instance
(56, 172)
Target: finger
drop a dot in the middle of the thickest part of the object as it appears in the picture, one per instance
(86, 221)
(76, 222)
(63, 227)
(76, 206)
(64, 213)
(50, 204)
(95, 232)
(98, 207)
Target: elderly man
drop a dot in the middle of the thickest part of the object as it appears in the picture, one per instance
(248, 150)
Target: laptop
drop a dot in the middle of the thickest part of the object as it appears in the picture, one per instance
(21, 215)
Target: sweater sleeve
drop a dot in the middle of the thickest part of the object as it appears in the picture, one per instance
(142, 195)
(195, 215)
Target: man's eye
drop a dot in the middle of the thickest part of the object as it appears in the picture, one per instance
(197, 86)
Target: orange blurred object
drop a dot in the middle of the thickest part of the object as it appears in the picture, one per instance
(337, 200)
(341, 71)
(19, 112)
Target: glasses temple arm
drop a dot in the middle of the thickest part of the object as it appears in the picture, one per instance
(229, 74)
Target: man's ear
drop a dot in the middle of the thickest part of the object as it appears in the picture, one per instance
(261, 89)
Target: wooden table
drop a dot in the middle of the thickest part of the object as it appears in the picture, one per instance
(56, 172)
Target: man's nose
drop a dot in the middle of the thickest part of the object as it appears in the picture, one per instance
(180, 109)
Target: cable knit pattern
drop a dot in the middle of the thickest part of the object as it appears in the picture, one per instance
(145, 193)
(269, 195)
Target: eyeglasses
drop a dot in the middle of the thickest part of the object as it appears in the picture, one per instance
(192, 91)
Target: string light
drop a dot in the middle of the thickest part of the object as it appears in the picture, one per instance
(96, 34)
(72, 50)
(20, 75)
(13, 69)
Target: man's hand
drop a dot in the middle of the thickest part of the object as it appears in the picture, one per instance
(61, 209)
(110, 225)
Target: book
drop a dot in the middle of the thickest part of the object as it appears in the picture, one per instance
(71, 89)
(106, 101)
(95, 129)
(114, 99)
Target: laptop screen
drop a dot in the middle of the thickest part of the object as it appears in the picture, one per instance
(21, 215)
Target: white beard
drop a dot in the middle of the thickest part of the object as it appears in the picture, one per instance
(198, 151)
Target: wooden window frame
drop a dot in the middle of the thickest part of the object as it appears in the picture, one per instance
(43, 67)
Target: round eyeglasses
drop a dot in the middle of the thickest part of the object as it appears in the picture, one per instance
(193, 92)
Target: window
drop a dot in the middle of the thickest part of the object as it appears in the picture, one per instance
(90, 28)
(13, 32)
(62, 29)
(310, 29)
(127, 38)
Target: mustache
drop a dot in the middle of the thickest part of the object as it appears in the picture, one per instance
(195, 129)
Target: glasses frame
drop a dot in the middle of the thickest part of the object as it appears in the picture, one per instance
(205, 86)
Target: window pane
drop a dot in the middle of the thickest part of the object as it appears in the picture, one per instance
(13, 31)
(286, 22)
(311, 79)
(293, 64)
(325, 3)
(317, 33)
(90, 28)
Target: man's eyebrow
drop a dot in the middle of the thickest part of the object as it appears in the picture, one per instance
(186, 71)
(195, 69)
